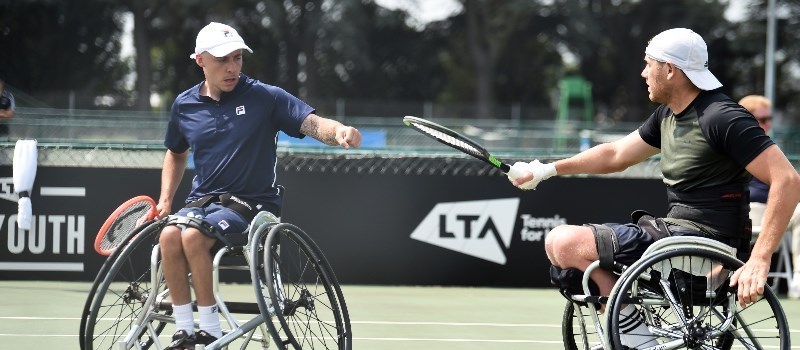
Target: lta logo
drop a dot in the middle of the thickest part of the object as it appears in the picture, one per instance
(482, 229)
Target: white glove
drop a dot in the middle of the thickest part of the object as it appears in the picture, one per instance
(540, 173)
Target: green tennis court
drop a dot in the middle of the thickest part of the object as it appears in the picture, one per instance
(36, 314)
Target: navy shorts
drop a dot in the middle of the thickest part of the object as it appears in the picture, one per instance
(225, 220)
(632, 240)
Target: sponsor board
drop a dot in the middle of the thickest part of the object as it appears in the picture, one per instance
(54, 235)
(482, 228)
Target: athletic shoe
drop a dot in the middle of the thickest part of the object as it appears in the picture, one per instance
(202, 337)
(794, 288)
(181, 340)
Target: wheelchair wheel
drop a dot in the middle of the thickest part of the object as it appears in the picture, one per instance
(684, 298)
(577, 336)
(119, 298)
(98, 279)
(304, 296)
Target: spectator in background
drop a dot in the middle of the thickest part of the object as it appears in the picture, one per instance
(7, 107)
(761, 108)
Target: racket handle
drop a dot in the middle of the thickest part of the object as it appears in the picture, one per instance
(514, 172)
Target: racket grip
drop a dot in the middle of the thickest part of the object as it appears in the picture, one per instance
(514, 172)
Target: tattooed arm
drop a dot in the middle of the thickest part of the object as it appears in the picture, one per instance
(330, 132)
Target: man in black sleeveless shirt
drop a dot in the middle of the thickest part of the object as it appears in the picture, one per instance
(709, 146)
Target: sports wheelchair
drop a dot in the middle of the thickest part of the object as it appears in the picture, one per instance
(298, 301)
(680, 287)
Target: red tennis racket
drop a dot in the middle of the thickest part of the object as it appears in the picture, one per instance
(124, 220)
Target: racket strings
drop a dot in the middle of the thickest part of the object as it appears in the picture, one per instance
(450, 140)
(124, 224)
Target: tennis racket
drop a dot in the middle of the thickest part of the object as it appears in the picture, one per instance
(125, 219)
(461, 143)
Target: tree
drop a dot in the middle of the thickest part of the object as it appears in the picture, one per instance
(608, 39)
(52, 47)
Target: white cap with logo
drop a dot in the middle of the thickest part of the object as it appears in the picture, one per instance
(219, 40)
(686, 50)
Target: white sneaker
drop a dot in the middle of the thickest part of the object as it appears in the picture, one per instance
(794, 287)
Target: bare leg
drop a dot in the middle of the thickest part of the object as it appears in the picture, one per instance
(197, 247)
(570, 246)
(176, 268)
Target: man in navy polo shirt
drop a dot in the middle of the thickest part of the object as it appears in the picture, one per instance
(230, 122)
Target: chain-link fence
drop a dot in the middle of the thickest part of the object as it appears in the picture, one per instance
(134, 140)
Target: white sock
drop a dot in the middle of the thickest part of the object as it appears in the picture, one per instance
(633, 331)
(209, 320)
(183, 318)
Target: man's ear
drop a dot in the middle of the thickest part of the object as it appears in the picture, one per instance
(199, 60)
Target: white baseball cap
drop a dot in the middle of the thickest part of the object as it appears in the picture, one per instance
(219, 40)
(686, 50)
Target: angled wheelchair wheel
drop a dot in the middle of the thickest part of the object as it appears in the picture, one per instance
(98, 279)
(683, 297)
(119, 298)
(577, 328)
(306, 308)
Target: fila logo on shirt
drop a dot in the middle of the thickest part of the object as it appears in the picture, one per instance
(482, 229)
(240, 110)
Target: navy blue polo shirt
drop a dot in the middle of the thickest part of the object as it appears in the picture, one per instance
(234, 140)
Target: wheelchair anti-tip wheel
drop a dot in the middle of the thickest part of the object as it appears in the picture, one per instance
(305, 308)
(684, 298)
(119, 296)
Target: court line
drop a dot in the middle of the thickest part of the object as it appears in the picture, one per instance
(394, 323)
(466, 324)
(448, 340)
(41, 266)
(462, 340)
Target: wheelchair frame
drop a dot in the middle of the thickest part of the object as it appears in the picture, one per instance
(729, 325)
(270, 253)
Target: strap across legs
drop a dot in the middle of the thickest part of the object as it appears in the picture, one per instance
(200, 225)
(607, 245)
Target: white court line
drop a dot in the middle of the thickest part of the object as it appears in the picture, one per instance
(457, 324)
(395, 323)
(41, 266)
(40, 318)
(63, 191)
(354, 338)
(457, 340)
(39, 335)
(398, 323)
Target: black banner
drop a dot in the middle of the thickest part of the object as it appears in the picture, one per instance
(403, 229)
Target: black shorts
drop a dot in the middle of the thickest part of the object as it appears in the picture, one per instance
(632, 242)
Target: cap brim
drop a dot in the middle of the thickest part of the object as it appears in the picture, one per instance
(703, 79)
(224, 49)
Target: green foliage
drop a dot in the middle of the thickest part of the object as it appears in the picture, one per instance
(54, 49)
(355, 49)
